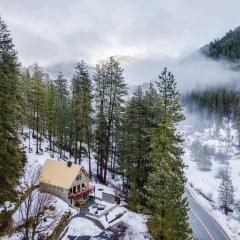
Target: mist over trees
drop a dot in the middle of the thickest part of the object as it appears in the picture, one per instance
(226, 47)
(221, 104)
(202, 155)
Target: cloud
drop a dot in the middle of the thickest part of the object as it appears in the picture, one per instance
(65, 30)
(194, 71)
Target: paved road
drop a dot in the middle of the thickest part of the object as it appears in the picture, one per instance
(203, 225)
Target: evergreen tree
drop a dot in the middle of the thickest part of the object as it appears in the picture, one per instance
(226, 47)
(51, 102)
(81, 110)
(100, 121)
(165, 186)
(10, 118)
(38, 92)
(226, 193)
(134, 145)
(116, 90)
(201, 154)
(61, 110)
(24, 89)
(110, 91)
(134, 149)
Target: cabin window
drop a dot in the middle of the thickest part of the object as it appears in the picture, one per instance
(79, 177)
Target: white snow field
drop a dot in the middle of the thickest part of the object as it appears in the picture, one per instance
(225, 150)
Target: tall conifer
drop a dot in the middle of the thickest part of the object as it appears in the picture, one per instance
(165, 185)
(10, 111)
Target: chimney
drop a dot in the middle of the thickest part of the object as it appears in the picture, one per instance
(69, 163)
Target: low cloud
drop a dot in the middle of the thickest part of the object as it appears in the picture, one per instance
(194, 71)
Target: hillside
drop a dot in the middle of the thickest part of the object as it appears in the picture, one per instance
(227, 47)
(77, 226)
(209, 150)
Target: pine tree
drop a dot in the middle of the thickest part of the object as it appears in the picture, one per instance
(201, 154)
(61, 109)
(51, 103)
(38, 92)
(110, 91)
(10, 114)
(165, 186)
(134, 148)
(117, 89)
(100, 121)
(81, 110)
(226, 192)
(134, 144)
(24, 89)
(27, 110)
(151, 101)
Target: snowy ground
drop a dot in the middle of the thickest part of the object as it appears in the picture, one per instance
(228, 223)
(136, 223)
(32, 166)
(223, 143)
(81, 226)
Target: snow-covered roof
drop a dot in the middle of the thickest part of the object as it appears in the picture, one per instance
(58, 173)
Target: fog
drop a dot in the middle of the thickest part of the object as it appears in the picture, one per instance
(58, 33)
(49, 32)
(194, 71)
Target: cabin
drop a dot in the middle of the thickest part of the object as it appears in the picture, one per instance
(66, 180)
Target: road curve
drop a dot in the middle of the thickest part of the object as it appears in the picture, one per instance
(204, 226)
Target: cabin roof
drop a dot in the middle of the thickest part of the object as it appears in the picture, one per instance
(59, 174)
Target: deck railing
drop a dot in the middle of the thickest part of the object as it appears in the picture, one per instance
(79, 195)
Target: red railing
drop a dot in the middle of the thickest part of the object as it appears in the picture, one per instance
(79, 195)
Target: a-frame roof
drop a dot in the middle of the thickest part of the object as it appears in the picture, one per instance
(58, 173)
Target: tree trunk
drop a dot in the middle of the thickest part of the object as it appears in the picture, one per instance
(40, 141)
(114, 162)
(89, 161)
(98, 164)
(29, 140)
(53, 142)
(37, 129)
(80, 152)
(50, 141)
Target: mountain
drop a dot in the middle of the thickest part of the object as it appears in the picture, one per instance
(226, 48)
(67, 68)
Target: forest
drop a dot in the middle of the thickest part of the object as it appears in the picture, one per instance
(226, 47)
(220, 103)
(91, 116)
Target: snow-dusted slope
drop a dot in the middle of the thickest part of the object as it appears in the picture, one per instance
(223, 150)
(136, 223)
(223, 143)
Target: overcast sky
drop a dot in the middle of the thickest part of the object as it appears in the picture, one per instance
(52, 31)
